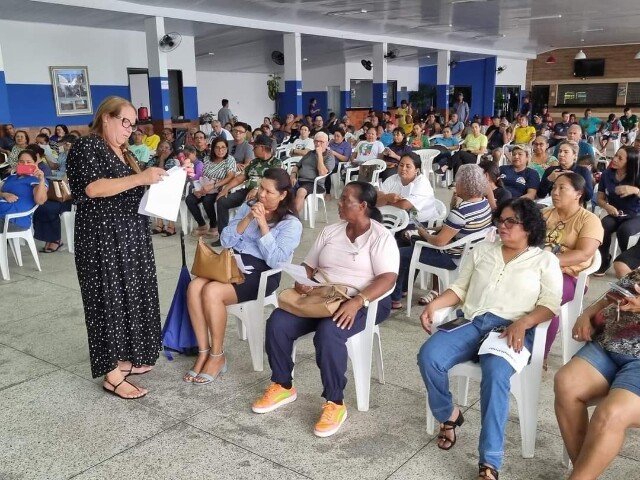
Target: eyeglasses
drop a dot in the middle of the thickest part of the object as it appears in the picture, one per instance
(238, 131)
(553, 236)
(126, 123)
(219, 147)
(538, 144)
(509, 222)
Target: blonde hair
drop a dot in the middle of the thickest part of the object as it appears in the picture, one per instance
(112, 106)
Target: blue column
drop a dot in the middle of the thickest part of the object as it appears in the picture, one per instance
(489, 92)
(159, 96)
(345, 101)
(5, 115)
(291, 98)
(380, 97)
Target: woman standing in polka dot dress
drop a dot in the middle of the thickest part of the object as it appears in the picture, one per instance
(113, 250)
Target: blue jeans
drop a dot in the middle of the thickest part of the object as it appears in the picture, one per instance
(442, 351)
(429, 256)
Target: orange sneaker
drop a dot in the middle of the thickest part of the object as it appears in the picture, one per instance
(331, 419)
(274, 397)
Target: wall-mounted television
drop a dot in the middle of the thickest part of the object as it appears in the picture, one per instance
(590, 67)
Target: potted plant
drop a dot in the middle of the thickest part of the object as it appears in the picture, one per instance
(422, 98)
(206, 118)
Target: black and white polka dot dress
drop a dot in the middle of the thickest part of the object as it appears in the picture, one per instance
(115, 262)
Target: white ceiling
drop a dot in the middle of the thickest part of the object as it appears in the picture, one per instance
(243, 33)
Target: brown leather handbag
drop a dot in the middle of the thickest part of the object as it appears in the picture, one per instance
(320, 302)
(220, 267)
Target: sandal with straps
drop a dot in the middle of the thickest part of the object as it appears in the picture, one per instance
(447, 426)
(428, 298)
(487, 472)
(210, 378)
(191, 374)
(115, 389)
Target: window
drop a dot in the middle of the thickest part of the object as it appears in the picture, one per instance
(588, 94)
(633, 94)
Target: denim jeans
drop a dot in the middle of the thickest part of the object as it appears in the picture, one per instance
(442, 351)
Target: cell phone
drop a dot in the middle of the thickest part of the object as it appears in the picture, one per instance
(26, 169)
(454, 324)
(617, 293)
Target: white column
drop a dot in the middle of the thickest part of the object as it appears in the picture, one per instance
(291, 101)
(158, 70)
(443, 78)
(379, 77)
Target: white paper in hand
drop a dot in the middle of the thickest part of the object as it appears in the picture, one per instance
(162, 199)
(498, 346)
(299, 274)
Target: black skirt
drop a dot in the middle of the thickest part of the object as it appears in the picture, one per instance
(248, 290)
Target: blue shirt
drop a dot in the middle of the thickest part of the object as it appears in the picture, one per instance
(21, 186)
(343, 148)
(386, 138)
(519, 182)
(590, 125)
(275, 248)
(608, 183)
(446, 142)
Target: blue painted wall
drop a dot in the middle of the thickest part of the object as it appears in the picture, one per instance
(289, 101)
(33, 105)
(5, 115)
(480, 75)
(159, 98)
(190, 97)
(321, 97)
(380, 97)
(345, 101)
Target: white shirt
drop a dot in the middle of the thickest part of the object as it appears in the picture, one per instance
(511, 290)
(418, 193)
(368, 151)
(373, 253)
(300, 144)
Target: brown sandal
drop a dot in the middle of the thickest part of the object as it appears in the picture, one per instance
(450, 425)
(487, 472)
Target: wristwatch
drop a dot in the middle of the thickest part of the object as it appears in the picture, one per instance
(365, 300)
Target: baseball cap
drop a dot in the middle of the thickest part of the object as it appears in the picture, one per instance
(524, 148)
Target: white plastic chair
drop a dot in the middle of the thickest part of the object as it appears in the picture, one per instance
(336, 180)
(427, 155)
(289, 163)
(570, 311)
(441, 210)
(375, 180)
(360, 350)
(186, 220)
(525, 386)
(13, 238)
(69, 221)
(445, 277)
(394, 219)
(250, 319)
(311, 203)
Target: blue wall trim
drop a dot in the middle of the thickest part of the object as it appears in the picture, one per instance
(159, 98)
(5, 113)
(322, 98)
(442, 97)
(380, 97)
(190, 97)
(345, 102)
(480, 75)
(289, 101)
(33, 106)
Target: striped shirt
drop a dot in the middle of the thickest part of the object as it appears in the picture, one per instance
(468, 218)
(217, 171)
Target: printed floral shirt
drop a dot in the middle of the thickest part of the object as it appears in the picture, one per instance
(621, 334)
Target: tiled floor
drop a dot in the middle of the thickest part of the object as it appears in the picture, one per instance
(56, 422)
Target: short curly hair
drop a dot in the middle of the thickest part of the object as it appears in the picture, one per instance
(471, 181)
(530, 215)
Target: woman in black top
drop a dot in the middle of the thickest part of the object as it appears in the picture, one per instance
(394, 152)
(496, 193)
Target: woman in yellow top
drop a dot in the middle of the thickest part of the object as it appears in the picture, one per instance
(523, 133)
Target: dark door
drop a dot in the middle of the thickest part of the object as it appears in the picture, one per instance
(539, 98)
(176, 100)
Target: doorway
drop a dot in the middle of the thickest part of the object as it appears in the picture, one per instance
(176, 99)
(361, 93)
(507, 101)
(333, 99)
(139, 87)
(454, 90)
(539, 98)
(392, 93)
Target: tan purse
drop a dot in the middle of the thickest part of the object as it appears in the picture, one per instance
(320, 302)
(220, 267)
(58, 191)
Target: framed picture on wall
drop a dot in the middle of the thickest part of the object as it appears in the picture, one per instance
(71, 91)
